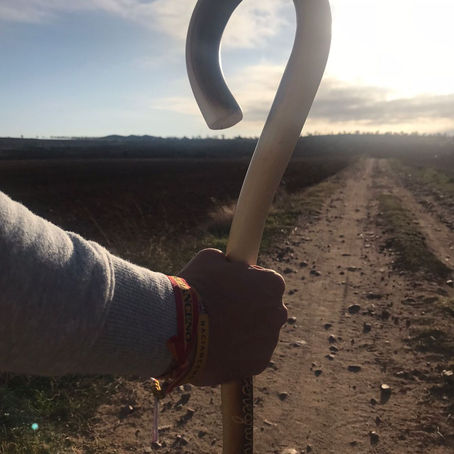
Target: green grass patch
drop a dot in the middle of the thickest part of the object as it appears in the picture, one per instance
(407, 240)
(61, 407)
(282, 218)
(312, 200)
(436, 179)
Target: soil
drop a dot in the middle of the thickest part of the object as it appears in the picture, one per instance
(351, 333)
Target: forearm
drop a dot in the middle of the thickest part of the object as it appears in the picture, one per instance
(68, 306)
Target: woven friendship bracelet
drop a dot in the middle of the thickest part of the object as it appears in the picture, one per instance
(187, 309)
(202, 348)
(192, 336)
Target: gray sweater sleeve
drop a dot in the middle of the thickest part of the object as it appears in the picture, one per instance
(69, 306)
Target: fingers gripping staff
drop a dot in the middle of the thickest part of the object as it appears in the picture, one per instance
(282, 129)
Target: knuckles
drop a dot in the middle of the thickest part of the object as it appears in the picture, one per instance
(283, 316)
(273, 284)
(257, 331)
(279, 282)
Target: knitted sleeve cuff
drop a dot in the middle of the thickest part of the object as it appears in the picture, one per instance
(140, 321)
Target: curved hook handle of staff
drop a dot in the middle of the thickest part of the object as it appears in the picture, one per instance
(216, 102)
(280, 134)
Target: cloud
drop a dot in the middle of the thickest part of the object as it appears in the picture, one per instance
(255, 22)
(35, 11)
(44, 10)
(338, 103)
(178, 104)
(254, 88)
(251, 24)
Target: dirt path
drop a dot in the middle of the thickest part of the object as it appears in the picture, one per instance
(353, 316)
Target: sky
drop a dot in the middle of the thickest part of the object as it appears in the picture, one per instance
(99, 67)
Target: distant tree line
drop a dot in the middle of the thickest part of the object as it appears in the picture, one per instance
(114, 146)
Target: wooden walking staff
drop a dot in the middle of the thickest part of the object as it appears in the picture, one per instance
(282, 129)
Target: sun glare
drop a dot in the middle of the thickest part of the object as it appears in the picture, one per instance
(403, 45)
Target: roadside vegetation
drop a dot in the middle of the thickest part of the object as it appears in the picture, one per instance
(44, 415)
(435, 178)
(407, 241)
(446, 306)
(283, 217)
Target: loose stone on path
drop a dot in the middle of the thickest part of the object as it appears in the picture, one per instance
(385, 390)
(354, 308)
(299, 343)
(374, 437)
(283, 395)
(290, 451)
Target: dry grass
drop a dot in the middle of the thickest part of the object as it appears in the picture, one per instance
(436, 179)
(404, 237)
(447, 306)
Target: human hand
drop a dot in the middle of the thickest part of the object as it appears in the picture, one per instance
(245, 310)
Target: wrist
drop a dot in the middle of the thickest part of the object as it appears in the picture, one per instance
(189, 347)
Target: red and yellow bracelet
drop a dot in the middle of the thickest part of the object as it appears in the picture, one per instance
(189, 348)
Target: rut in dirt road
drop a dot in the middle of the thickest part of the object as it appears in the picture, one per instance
(347, 339)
